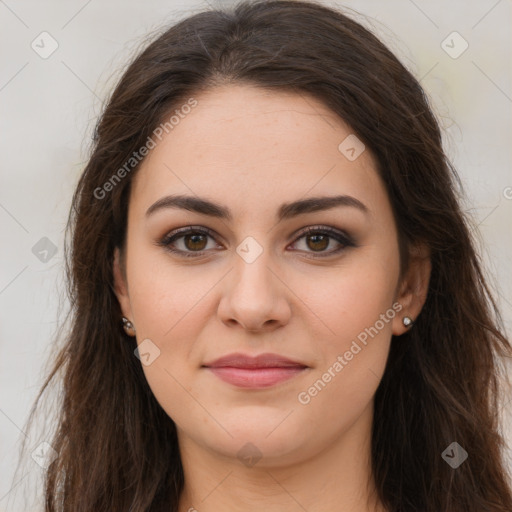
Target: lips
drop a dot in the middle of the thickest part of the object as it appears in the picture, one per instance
(262, 371)
(238, 360)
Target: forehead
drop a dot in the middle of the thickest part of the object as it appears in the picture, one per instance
(252, 148)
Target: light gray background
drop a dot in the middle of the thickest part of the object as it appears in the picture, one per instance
(48, 110)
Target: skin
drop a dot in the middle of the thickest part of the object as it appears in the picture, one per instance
(252, 150)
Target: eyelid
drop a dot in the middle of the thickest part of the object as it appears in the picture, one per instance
(179, 233)
(339, 235)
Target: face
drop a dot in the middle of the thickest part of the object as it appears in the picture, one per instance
(200, 286)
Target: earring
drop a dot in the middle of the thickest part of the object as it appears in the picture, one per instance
(407, 321)
(128, 327)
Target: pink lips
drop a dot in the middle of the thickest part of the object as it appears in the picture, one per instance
(262, 371)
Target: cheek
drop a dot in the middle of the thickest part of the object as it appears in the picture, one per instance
(353, 359)
(357, 307)
(167, 299)
(354, 296)
(171, 306)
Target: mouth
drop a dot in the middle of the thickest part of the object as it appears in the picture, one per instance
(263, 371)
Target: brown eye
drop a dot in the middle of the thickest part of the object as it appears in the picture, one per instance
(188, 241)
(318, 242)
(195, 242)
(317, 239)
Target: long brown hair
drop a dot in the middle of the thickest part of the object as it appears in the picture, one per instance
(117, 448)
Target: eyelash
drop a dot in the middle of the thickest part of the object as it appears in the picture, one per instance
(340, 237)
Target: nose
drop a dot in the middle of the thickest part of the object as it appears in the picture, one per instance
(255, 297)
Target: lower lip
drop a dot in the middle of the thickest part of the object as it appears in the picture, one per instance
(255, 378)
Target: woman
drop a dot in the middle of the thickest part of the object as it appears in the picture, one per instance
(276, 299)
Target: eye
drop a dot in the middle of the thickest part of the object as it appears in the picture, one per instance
(319, 238)
(194, 241)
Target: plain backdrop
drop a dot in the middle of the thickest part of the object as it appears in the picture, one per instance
(460, 51)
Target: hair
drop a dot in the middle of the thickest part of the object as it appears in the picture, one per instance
(117, 448)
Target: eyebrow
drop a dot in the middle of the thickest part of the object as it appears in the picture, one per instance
(286, 210)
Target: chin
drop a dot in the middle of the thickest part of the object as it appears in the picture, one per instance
(265, 437)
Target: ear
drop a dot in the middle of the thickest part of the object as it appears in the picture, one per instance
(413, 288)
(121, 287)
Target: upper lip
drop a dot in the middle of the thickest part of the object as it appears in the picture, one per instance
(239, 360)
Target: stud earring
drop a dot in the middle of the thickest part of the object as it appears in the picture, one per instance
(407, 321)
(128, 327)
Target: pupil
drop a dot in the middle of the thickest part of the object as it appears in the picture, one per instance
(322, 238)
(194, 239)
